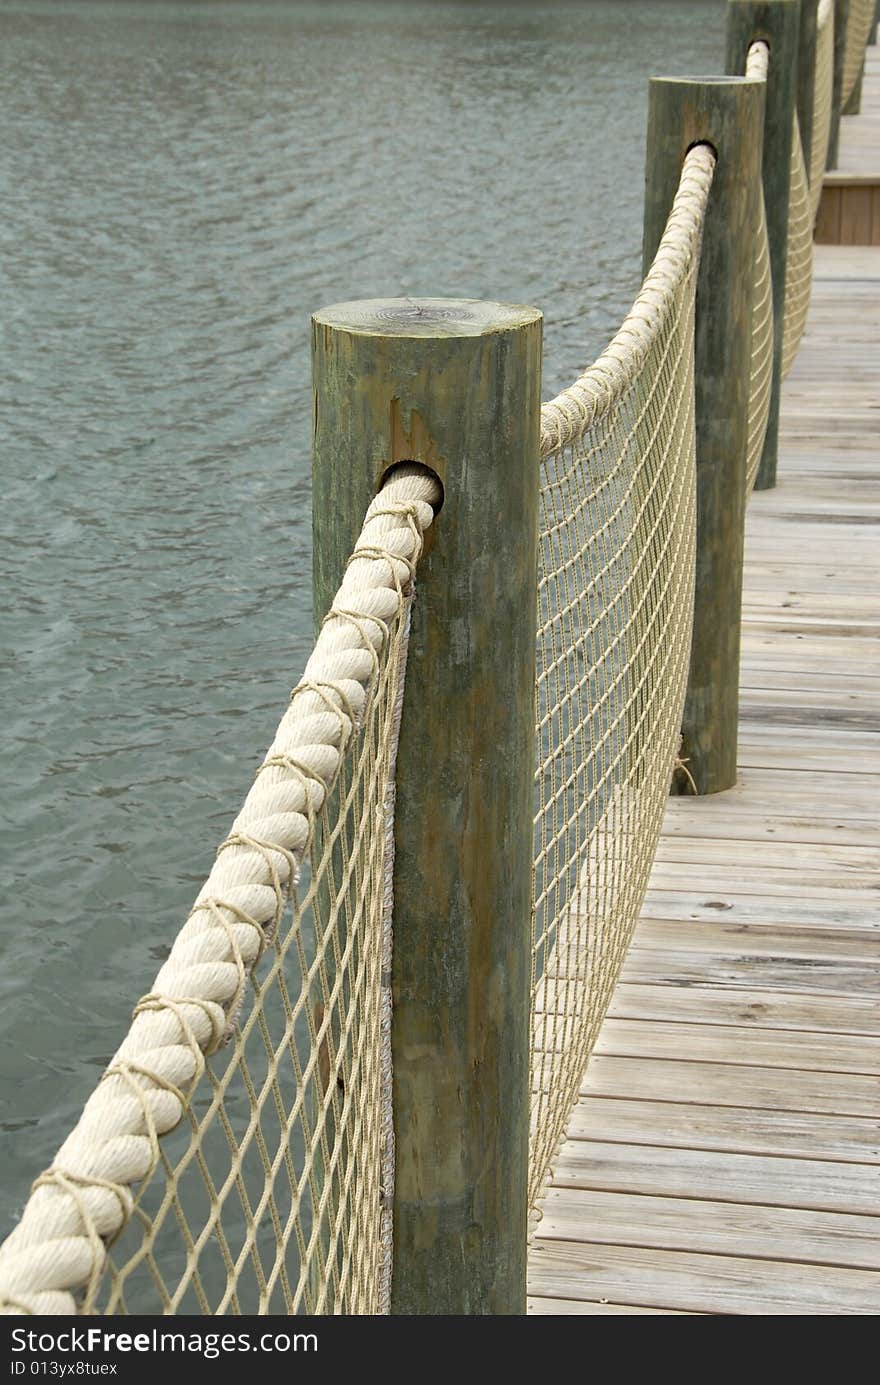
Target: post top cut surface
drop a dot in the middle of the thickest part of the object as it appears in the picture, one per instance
(425, 317)
(711, 81)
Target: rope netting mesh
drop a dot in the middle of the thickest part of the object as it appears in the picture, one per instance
(616, 572)
(823, 90)
(860, 17)
(761, 374)
(799, 254)
(237, 1155)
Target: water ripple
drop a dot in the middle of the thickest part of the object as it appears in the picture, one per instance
(182, 185)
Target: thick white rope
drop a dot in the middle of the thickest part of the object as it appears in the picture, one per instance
(85, 1198)
(576, 409)
(858, 26)
(758, 61)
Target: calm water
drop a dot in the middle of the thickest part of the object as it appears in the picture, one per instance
(181, 185)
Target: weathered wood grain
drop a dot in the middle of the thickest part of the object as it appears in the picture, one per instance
(714, 1228)
(730, 1084)
(771, 1180)
(456, 386)
(699, 1283)
(778, 24)
(727, 113)
(555, 1307)
(740, 1130)
(757, 1009)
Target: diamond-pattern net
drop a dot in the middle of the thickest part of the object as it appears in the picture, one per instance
(267, 1198)
(262, 1055)
(616, 573)
(799, 255)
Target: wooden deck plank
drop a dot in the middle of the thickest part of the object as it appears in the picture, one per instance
(783, 902)
(853, 862)
(860, 134)
(719, 1175)
(791, 974)
(729, 1084)
(734, 1130)
(729, 1043)
(742, 929)
(555, 1307)
(724, 1153)
(713, 1228)
(811, 791)
(773, 1009)
(625, 1037)
(748, 824)
(699, 1283)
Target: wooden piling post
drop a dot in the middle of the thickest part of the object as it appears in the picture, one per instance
(806, 75)
(872, 32)
(841, 17)
(455, 385)
(726, 112)
(777, 23)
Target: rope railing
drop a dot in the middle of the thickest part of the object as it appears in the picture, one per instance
(615, 593)
(238, 1153)
(232, 1156)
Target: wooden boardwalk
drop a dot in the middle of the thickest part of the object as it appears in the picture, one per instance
(724, 1156)
(850, 210)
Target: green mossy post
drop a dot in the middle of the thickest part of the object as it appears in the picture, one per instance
(777, 23)
(728, 113)
(841, 16)
(455, 385)
(872, 32)
(806, 74)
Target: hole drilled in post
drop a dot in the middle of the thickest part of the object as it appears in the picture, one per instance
(414, 467)
(702, 144)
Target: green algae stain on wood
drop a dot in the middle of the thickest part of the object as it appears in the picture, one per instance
(455, 385)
